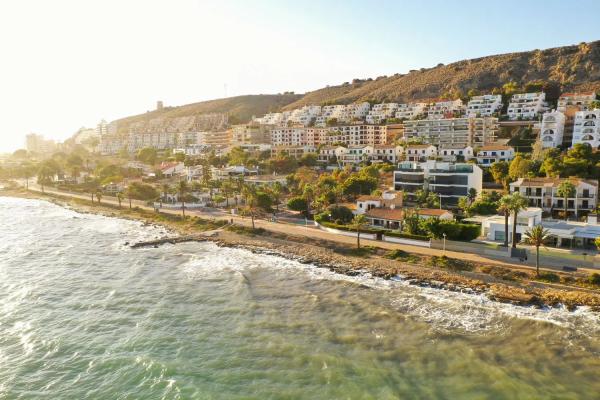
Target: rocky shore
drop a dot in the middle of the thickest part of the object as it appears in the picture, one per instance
(497, 283)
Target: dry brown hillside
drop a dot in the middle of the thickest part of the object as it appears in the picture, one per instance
(563, 68)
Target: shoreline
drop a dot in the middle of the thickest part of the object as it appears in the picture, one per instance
(433, 272)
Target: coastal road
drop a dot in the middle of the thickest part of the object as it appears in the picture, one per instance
(309, 231)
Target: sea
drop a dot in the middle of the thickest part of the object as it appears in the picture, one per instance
(85, 316)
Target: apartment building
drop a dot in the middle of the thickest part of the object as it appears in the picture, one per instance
(275, 119)
(453, 131)
(353, 155)
(552, 129)
(330, 154)
(38, 144)
(386, 154)
(484, 106)
(343, 114)
(581, 101)
(420, 152)
(526, 105)
(543, 193)
(289, 137)
(454, 153)
(250, 134)
(586, 128)
(450, 181)
(487, 155)
(410, 110)
(445, 109)
(292, 151)
(305, 116)
(380, 112)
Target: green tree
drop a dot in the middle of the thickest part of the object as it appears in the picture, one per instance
(147, 155)
(120, 198)
(359, 223)
(536, 236)
(472, 195)
(44, 175)
(519, 167)
(276, 193)
(297, 203)
(510, 88)
(98, 196)
(566, 190)
(182, 189)
(517, 204)
(499, 171)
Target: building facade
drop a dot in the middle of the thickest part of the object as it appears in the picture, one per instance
(453, 131)
(552, 129)
(487, 155)
(586, 128)
(526, 105)
(484, 106)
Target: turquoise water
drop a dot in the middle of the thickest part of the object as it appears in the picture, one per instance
(83, 316)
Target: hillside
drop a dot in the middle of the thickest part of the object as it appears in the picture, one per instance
(562, 68)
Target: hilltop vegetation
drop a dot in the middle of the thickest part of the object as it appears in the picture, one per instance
(560, 69)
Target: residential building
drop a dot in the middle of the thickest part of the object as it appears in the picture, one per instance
(292, 151)
(410, 110)
(233, 171)
(392, 218)
(170, 169)
(445, 109)
(386, 153)
(35, 143)
(484, 106)
(250, 134)
(453, 131)
(454, 153)
(526, 105)
(102, 128)
(420, 152)
(566, 234)
(215, 138)
(552, 129)
(586, 128)
(582, 101)
(330, 154)
(487, 155)
(388, 199)
(543, 193)
(450, 181)
(304, 116)
(357, 135)
(381, 112)
(354, 155)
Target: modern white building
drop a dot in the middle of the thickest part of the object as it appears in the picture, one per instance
(484, 106)
(526, 105)
(543, 193)
(586, 128)
(487, 155)
(330, 154)
(380, 112)
(386, 154)
(552, 129)
(410, 110)
(581, 101)
(452, 131)
(454, 153)
(450, 181)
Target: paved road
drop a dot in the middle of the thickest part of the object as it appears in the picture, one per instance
(310, 231)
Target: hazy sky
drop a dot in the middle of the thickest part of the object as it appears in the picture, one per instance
(67, 64)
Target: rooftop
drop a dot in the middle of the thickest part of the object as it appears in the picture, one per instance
(395, 214)
(552, 182)
(496, 147)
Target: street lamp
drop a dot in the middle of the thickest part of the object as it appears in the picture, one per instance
(444, 245)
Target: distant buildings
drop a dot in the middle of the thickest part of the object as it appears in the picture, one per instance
(585, 128)
(581, 101)
(487, 155)
(484, 106)
(38, 144)
(445, 109)
(450, 181)
(552, 129)
(452, 131)
(526, 105)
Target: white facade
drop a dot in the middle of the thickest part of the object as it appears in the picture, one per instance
(420, 152)
(450, 181)
(552, 129)
(543, 193)
(453, 131)
(484, 106)
(494, 229)
(526, 105)
(445, 109)
(586, 128)
(487, 155)
(410, 110)
(386, 153)
(381, 112)
(455, 153)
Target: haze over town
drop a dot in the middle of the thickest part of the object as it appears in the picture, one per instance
(68, 64)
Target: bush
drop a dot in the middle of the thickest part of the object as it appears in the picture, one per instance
(405, 235)
(450, 263)
(403, 256)
(549, 277)
(594, 279)
(297, 203)
(340, 213)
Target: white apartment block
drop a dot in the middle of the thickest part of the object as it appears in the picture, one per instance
(289, 137)
(455, 153)
(453, 131)
(420, 152)
(543, 193)
(305, 115)
(380, 112)
(410, 110)
(581, 101)
(526, 105)
(330, 154)
(386, 154)
(552, 129)
(292, 151)
(450, 181)
(250, 134)
(354, 155)
(487, 155)
(276, 119)
(586, 128)
(358, 135)
(484, 106)
(445, 109)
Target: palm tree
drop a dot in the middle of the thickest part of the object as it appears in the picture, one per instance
(518, 203)
(276, 192)
(227, 189)
(359, 222)
(472, 195)
(44, 175)
(566, 190)
(504, 208)
(99, 196)
(120, 198)
(165, 189)
(129, 196)
(251, 207)
(536, 236)
(182, 189)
